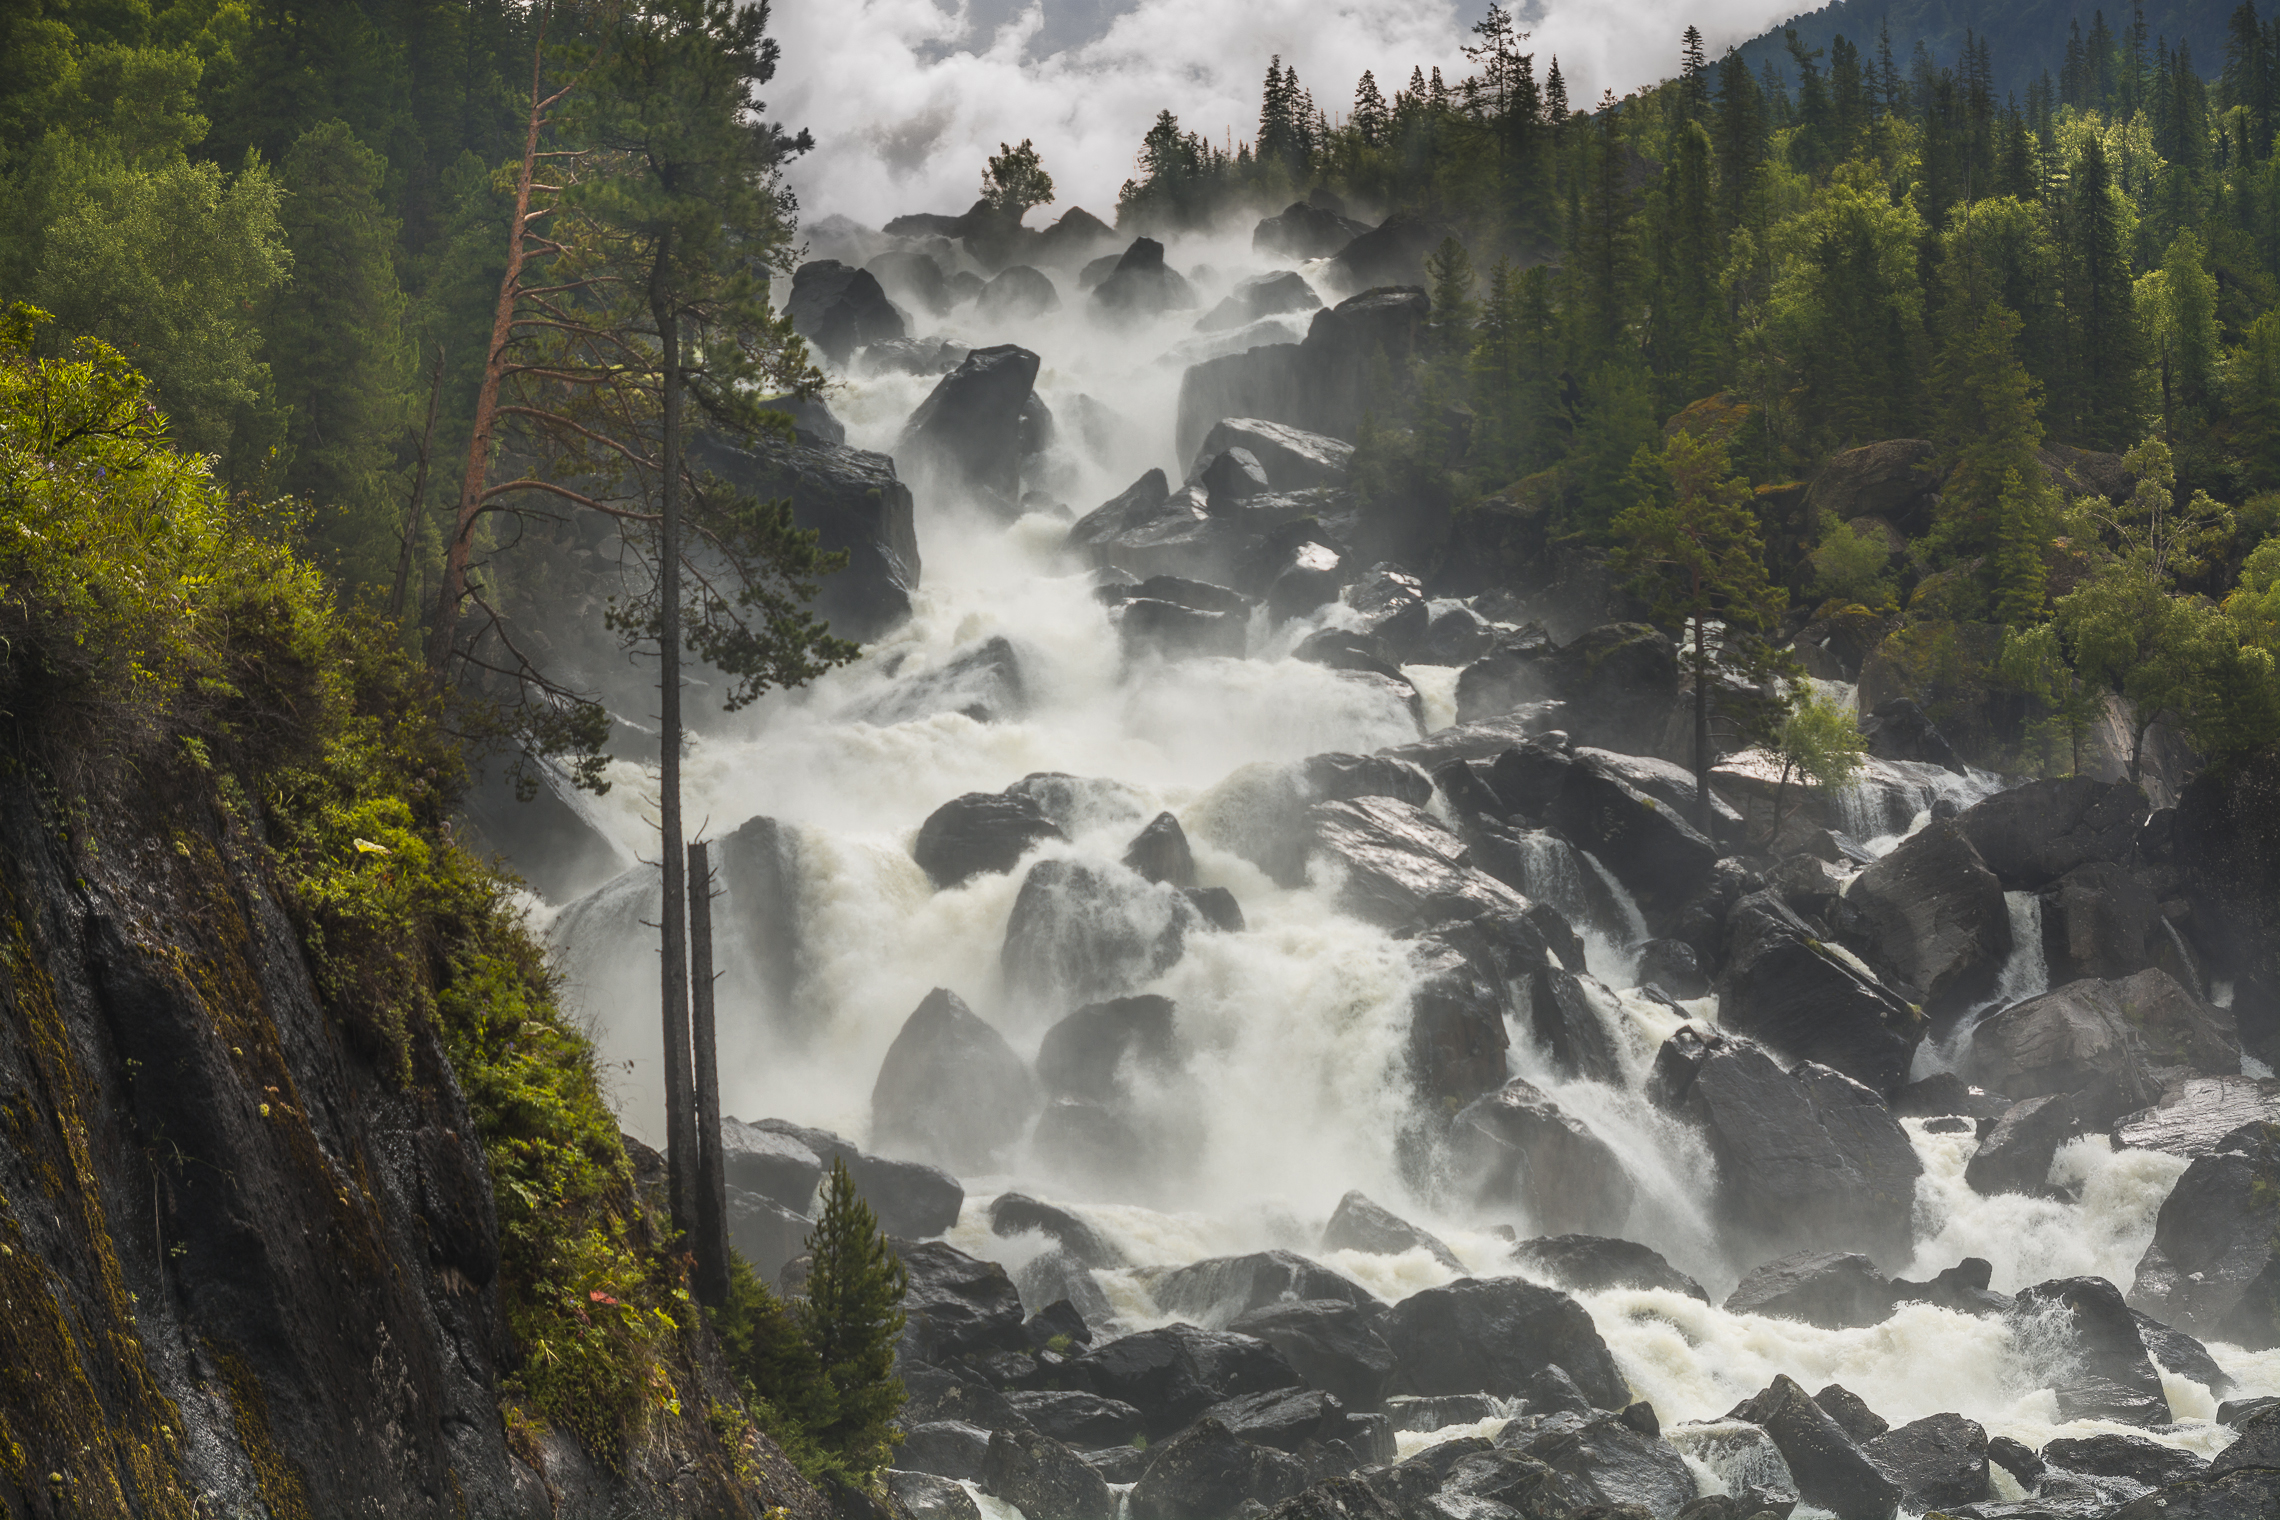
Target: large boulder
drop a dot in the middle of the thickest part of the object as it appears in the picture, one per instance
(1621, 685)
(2032, 835)
(2094, 1351)
(969, 435)
(1807, 1159)
(1304, 231)
(958, 1305)
(1897, 479)
(1354, 361)
(1594, 1263)
(911, 1199)
(1390, 859)
(1081, 1420)
(1610, 1461)
(1332, 1344)
(2110, 1454)
(1017, 292)
(2225, 840)
(1175, 1373)
(1838, 1290)
(1358, 1224)
(1936, 915)
(1014, 1214)
(1044, 1479)
(1391, 253)
(1262, 295)
(840, 309)
(2213, 1267)
(855, 504)
(982, 681)
(950, 1449)
(950, 1089)
(771, 1164)
(1743, 1458)
(2016, 1154)
(2102, 1043)
(1660, 858)
(1812, 1000)
(1219, 1289)
(1141, 286)
(1831, 1471)
(1074, 239)
(1518, 1149)
(1208, 1472)
(1939, 1461)
(1457, 1040)
(2101, 921)
(1085, 929)
(1091, 1053)
(977, 833)
(1293, 459)
(1288, 1419)
(763, 1231)
(1493, 1335)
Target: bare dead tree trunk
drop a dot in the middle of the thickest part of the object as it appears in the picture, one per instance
(712, 1189)
(471, 494)
(416, 508)
(680, 1113)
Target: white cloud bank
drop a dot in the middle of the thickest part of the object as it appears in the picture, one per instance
(907, 98)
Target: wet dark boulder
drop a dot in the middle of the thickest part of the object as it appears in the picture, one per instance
(1614, 1463)
(1564, 1015)
(853, 501)
(1358, 1224)
(2100, 1042)
(2213, 1268)
(1081, 1420)
(1392, 860)
(928, 1496)
(1044, 1479)
(958, 1305)
(1491, 1335)
(1900, 730)
(1019, 1214)
(2251, 1493)
(1457, 636)
(932, 1395)
(1207, 1472)
(1141, 287)
(1232, 478)
(2225, 841)
(1593, 1263)
(840, 309)
(2015, 1156)
(1935, 914)
(1389, 605)
(769, 1163)
(982, 681)
(1831, 1470)
(1457, 1040)
(1293, 458)
(1518, 1149)
(1660, 859)
(1303, 231)
(1332, 1344)
(951, 1089)
(1838, 1290)
(1086, 1054)
(1810, 1000)
(763, 1231)
(2110, 1454)
(970, 433)
(1312, 579)
(2175, 1351)
(1621, 685)
(1353, 362)
(913, 275)
(1807, 1159)
(1939, 1461)
(1512, 673)
(1019, 293)
(1851, 1411)
(2104, 1370)
(1946, 1093)
(1075, 237)
(1674, 966)
(2032, 835)
(911, 1199)
(1262, 295)
(1083, 929)
(979, 832)
(1173, 1374)
(1170, 631)
(951, 1449)
(2101, 920)
(1219, 1289)
(1160, 853)
(1391, 253)
(1962, 1287)
(1287, 1419)
(1897, 479)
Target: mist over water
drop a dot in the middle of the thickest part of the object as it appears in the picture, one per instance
(1295, 1031)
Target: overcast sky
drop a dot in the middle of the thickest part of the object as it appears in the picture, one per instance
(906, 98)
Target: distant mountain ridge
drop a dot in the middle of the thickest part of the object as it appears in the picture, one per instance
(2024, 36)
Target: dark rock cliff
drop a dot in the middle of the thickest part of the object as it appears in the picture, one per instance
(248, 1258)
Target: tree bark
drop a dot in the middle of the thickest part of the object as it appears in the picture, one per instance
(461, 546)
(712, 1189)
(680, 1115)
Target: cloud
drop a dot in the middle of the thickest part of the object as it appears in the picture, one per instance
(907, 99)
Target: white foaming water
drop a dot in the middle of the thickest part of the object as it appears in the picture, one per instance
(1294, 1032)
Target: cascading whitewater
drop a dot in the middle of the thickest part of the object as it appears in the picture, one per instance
(1294, 1031)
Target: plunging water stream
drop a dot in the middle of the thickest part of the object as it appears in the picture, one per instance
(1295, 1028)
